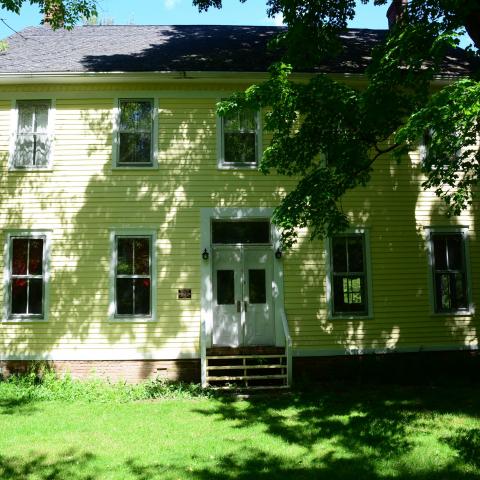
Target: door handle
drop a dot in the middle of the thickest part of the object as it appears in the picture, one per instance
(239, 306)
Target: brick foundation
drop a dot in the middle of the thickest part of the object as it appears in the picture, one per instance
(417, 368)
(394, 368)
(131, 371)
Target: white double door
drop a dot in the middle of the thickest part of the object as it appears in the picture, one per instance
(243, 312)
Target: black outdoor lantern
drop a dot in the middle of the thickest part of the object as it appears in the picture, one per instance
(205, 254)
(278, 253)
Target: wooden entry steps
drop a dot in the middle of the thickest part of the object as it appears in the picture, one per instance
(247, 368)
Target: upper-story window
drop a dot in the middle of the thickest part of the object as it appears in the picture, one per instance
(32, 135)
(240, 139)
(135, 138)
(450, 279)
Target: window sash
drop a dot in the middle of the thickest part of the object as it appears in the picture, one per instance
(28, 277)
(32, 138)
(339, 306)
(133, 277)
(447, 297)
(232, 138)
(136, 130)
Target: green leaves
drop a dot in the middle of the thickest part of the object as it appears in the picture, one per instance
(450, 125)
(57, 13)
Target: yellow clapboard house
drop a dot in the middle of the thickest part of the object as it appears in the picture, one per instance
(136, 230)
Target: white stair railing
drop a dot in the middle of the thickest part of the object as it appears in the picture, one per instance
(288, 346)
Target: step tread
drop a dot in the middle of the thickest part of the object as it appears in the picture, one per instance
(237, 357)
(235, 388)
(247, 377)
(241, 367)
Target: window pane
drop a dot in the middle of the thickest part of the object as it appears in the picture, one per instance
(135, 148)
(41, 118)
(225, 287)
(257, 289)
(231, 123)
(19, 256)
(124, 256)
(455, 252)
(25, 118)
(35, 296)
(247, 120)
(19, 295)
(241, 232)
(136, 115)
(239, 147)
(348, 294)
(142, 296)
(142, 256)
(355, 253)
(440, 252)
(444, 297)
(124, 293)
(23, 155)
(339, 254)
(35, 256)
(40, 157)
(460, 290)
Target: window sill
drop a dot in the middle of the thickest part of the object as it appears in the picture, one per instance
(238, 166)
(26, 319)
(127, 319)
(464, 313)
(350, 317)
(30, 169)
(134, 167)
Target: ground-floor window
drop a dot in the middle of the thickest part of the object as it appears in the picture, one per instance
(348, 280)
(26, 276)
(450, 287)
(133, 275)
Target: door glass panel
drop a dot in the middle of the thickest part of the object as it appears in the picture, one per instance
(257, 291)
(225, 287)
(234, 232)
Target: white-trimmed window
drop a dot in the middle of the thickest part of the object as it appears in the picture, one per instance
(133, 275)
(135, 136)
(450, 277)
(349, 279)
(33, 136)
(240, 139)
(26, 276)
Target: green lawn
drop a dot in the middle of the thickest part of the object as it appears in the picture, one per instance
(332, 432)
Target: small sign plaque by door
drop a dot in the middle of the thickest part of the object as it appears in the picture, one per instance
(184, 293)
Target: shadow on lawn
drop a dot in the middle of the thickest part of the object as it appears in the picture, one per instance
(353, 433)
(71, 466)
(17, 406)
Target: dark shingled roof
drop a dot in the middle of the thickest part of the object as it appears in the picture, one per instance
(144, 48)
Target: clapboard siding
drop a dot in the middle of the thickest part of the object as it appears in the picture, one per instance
(82, 198)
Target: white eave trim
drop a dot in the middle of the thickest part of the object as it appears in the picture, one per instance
(220, 77)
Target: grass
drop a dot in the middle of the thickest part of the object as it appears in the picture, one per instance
(98, 431)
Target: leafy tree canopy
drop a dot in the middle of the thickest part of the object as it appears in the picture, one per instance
(329, 134)
(58, 13)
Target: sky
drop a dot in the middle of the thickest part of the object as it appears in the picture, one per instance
(178, 12)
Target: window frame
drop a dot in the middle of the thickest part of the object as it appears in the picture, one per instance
(112, 308)
(153, 164)
(221, 164)
(14, 116)
(449, 230)
(8, 256)
(329, 290)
